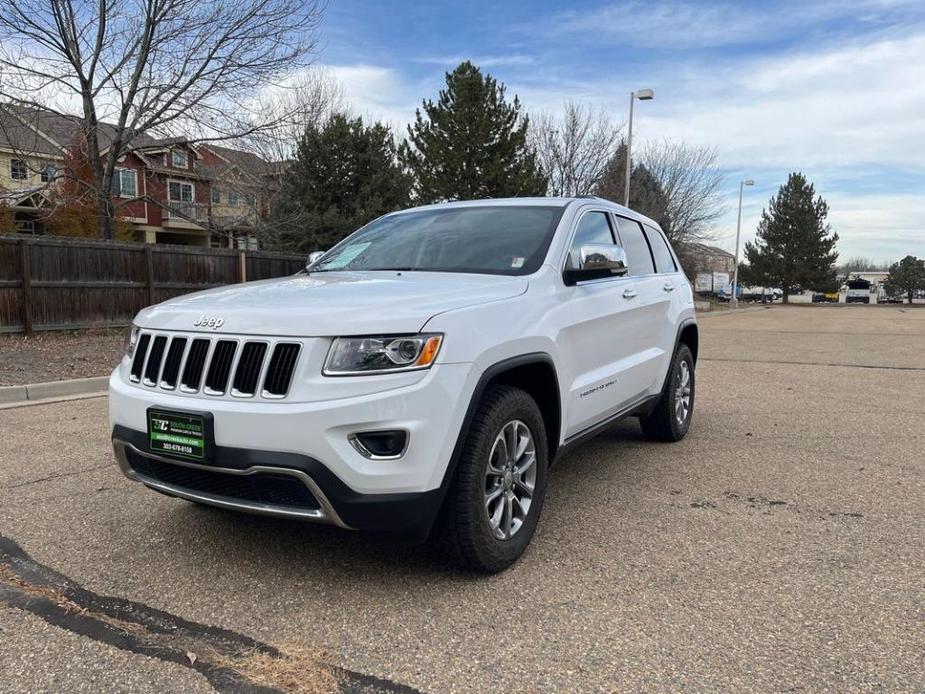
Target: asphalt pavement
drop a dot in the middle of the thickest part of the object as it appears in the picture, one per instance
(780, 547)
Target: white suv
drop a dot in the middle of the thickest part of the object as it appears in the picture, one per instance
(421, 376)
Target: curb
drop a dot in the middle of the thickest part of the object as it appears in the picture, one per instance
(11, 396)
(731, 311)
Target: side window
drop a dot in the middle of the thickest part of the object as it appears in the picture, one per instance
(664, 262)
(593, 227)
(637, 248)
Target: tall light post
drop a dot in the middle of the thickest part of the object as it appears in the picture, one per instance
(642, 95)
(735, 275)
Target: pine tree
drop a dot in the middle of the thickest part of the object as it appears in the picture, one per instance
(794, 246)
(345, 174)
(907, 276)
(471, 143)
(646, 194)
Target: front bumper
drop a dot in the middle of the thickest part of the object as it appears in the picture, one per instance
(304, 447)
(251, 481)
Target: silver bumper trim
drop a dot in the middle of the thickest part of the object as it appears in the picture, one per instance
(324, 514)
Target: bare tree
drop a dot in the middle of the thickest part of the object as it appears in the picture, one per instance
(692, 182)
(574, 149)
(150, 68)
(308, 98)
(861, 264)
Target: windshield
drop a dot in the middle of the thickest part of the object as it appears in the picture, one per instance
(490, 240)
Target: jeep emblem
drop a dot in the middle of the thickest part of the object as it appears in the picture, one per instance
(209, 322)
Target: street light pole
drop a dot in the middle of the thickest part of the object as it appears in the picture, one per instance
(735, 275)
(642, 95)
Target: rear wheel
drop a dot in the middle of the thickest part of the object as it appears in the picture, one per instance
(493, 506)
(670, 420)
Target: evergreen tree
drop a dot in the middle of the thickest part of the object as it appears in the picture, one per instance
(646, 193)
(907, 276)
(344, 175)
(471, 143)
(794, 246)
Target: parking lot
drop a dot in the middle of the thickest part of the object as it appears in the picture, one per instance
(780, 547)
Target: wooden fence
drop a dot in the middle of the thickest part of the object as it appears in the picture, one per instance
(49, 283)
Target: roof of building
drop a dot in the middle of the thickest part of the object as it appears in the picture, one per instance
(708, 250)
(41, 131)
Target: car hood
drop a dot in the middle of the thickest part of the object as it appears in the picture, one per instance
(331, 303)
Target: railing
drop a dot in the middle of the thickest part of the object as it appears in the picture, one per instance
(189, 211)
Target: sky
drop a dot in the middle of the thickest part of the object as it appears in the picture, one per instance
(832, 88)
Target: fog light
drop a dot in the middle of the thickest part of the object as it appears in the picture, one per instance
(380, 445)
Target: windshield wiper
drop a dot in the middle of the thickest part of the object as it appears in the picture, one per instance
(388, 269)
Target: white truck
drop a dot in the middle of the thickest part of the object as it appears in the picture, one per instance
(419, 377)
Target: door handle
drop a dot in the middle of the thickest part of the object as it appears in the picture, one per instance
(668, 287)
(629, 293)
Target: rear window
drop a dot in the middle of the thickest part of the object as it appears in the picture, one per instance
(636, 247)
(664, 262)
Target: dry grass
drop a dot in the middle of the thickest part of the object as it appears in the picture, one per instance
(299, 670)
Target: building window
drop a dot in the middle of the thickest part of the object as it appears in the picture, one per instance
(124, 183)
(216, 195)
(178, 191)
(18, 170)
(48, 173)
(249, 199)
(232, 197)
(178, 158)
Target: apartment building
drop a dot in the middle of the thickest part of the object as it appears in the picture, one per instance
(167, 190)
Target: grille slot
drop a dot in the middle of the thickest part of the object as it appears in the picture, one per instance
(141, 349)
(195, 362)
(220, 367)
(242, 369)
(279, 373)
(264, 487)
(172, 363)
(153, 367)
(248, 371)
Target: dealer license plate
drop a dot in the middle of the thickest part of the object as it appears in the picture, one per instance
(177, 434)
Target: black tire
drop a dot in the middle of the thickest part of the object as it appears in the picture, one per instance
(462, 533)
(662, 423)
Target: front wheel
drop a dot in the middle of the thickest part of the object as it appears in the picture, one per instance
(670, 420)
(493, 506)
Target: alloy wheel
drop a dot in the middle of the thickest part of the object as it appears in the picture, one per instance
(510, 479)
(682, 395)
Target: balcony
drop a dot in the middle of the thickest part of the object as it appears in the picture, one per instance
(188, 215)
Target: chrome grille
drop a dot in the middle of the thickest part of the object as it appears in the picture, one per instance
(153, 365)
(215, 366)
(171, 371)
(220, 367)
(248, 372)
(195, 365)
(279, 373)
(141, 351)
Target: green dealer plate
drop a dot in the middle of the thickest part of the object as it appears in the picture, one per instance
(177, 434)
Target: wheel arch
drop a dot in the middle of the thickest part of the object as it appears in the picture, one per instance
(536, 374)
(689, 334)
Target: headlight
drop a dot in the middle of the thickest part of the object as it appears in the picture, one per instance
(131, 337)
(385, 354)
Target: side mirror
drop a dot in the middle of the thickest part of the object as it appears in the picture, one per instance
(597, 260)
(312, 257)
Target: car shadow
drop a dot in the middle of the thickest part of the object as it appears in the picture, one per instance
(330, 553)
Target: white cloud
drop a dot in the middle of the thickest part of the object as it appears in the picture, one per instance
(681, 25)
(374, 92)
